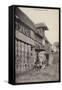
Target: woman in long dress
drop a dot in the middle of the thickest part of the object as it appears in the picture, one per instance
(42, 59)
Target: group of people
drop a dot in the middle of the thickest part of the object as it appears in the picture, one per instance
(43, 60)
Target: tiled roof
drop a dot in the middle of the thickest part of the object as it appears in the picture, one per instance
(41, 25)
(25, 19)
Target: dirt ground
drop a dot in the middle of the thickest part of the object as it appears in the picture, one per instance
(50, 73)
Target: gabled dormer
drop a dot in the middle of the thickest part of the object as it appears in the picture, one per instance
(40, 28)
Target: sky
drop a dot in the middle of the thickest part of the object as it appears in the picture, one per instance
(48, 16)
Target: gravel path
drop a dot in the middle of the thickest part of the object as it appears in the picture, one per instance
(50, 73)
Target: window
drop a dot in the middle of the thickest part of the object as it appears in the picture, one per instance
(27, 32)
(43, 42)
(21, 28)
(17, 25)
(32, 34)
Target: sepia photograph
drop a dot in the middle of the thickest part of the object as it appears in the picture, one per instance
(36, 44)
